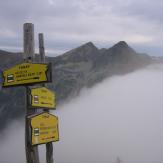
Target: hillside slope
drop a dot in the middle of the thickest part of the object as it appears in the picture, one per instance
(81, 67)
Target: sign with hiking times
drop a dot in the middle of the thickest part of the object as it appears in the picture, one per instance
(27, 74)
(42, 98)
(44, 128)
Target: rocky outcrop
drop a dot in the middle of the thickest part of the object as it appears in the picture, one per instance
(81, 67)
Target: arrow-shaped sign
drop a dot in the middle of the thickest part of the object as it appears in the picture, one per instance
(27, 74)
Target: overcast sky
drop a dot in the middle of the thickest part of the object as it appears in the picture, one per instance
(67, 24)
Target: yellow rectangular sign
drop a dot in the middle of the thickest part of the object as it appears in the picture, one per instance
(42, 97)
(44, 128)
(27, 73)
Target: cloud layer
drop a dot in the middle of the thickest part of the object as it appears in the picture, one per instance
(120, 117)
(67, 24)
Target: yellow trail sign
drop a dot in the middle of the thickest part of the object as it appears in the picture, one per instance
(27, 73)
(44, 128)
(42, 97)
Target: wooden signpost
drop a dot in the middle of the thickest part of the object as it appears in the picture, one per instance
(1, 79)
(40, 128)
(49, 146)
(32, 155)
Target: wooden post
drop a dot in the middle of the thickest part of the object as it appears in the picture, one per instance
(41, 47)
(31, 151)
(1, 79)
(49, 146)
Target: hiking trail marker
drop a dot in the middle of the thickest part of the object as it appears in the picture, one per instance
(44, 128)
(42, 98)
(26, 74)
(40, 128)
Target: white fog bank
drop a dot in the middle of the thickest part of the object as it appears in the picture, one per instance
(119, 117)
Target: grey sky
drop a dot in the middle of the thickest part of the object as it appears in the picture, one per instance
(67, 24)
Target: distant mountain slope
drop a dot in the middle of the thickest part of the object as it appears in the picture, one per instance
(87, 65)
(81, 67)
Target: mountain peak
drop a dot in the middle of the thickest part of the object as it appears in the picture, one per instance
(87, 46)
(85, 52)
(90, 44)
(122, 48)
(121, 44)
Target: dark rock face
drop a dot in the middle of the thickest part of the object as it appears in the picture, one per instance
(78, 68)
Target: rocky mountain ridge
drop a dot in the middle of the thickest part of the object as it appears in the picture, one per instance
(81, 67)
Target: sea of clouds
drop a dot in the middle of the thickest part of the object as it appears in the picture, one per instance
(120, 117)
